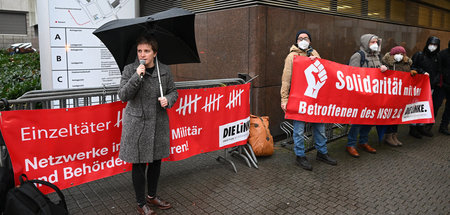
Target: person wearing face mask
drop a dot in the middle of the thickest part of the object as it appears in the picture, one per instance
(427, 62)
(302, 47)
(396, 60)
(445, 70)
(369, 51)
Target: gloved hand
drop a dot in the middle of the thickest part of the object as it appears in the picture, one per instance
(413, 73)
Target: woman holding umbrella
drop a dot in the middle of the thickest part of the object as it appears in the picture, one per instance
(145, 131)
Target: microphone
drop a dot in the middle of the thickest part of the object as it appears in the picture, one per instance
(142, 62)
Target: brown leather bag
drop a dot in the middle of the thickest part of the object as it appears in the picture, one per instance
(260, 138)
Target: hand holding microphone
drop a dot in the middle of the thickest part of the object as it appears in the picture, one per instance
(141, 68)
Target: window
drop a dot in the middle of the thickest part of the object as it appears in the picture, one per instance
(349, 7)
(447, 21)
(436, 19)
(315, 4)
(377, 9)
(439, 3)
(424, 16)
(13, 23)
(398, 10)
(197, 5)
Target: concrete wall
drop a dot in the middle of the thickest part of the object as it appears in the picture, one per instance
(28, 7)
(255, 40)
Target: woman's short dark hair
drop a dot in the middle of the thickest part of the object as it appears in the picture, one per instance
(148, 39)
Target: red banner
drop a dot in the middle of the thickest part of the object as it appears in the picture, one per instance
(328, 92)
(66, 147)
(205, 120)
(73, 146)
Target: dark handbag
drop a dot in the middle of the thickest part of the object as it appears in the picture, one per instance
(28, 199)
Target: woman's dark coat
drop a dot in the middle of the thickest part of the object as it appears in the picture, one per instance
(145, 124)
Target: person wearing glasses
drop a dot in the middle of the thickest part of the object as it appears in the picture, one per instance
(302, 47)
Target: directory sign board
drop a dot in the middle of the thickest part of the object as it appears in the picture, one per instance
(78, 58)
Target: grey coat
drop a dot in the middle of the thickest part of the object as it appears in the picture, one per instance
(372, 58)
(145, 124)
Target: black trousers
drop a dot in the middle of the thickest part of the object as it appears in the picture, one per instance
(446, 117)
(438, 97)
(138, 177)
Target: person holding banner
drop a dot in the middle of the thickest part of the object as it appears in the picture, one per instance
(396, 60)
(427, 62)
(303, 48)
(368, 56)
(445, 69)
(145, 132)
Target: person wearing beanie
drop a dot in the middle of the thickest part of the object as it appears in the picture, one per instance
(370, 47)
(428, 62)
(302, 47)
(396, 60)
(445, 70)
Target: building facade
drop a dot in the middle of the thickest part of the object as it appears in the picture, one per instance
(18, 23)
(254, 37)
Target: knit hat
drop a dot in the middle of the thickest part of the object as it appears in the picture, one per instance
(302, 32)
(397, 50)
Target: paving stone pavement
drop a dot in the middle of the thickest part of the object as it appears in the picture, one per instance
(413, 179)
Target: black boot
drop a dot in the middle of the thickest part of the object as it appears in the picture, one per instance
(304, 163)
(425, 130)
(414, 132)
(326, 159)
(444, 130)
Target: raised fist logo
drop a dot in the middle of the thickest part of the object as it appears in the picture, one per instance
(314, 86)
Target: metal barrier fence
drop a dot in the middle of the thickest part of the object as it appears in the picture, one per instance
(332, 131)
(68, 98)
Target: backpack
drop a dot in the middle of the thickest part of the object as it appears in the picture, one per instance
(362, 60)
(28, 199)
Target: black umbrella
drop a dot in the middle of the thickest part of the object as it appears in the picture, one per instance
(173, 30)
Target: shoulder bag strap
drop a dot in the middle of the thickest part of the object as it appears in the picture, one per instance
(265, 128)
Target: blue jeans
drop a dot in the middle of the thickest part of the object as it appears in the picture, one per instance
(319, 137)
(362, 130)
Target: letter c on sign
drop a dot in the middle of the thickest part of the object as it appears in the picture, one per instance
(59, 79)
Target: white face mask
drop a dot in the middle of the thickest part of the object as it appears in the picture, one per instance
(432, 48)
(303, 44)
(398, 57)
(374, 47)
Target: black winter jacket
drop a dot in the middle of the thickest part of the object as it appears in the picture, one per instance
(426, 61)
